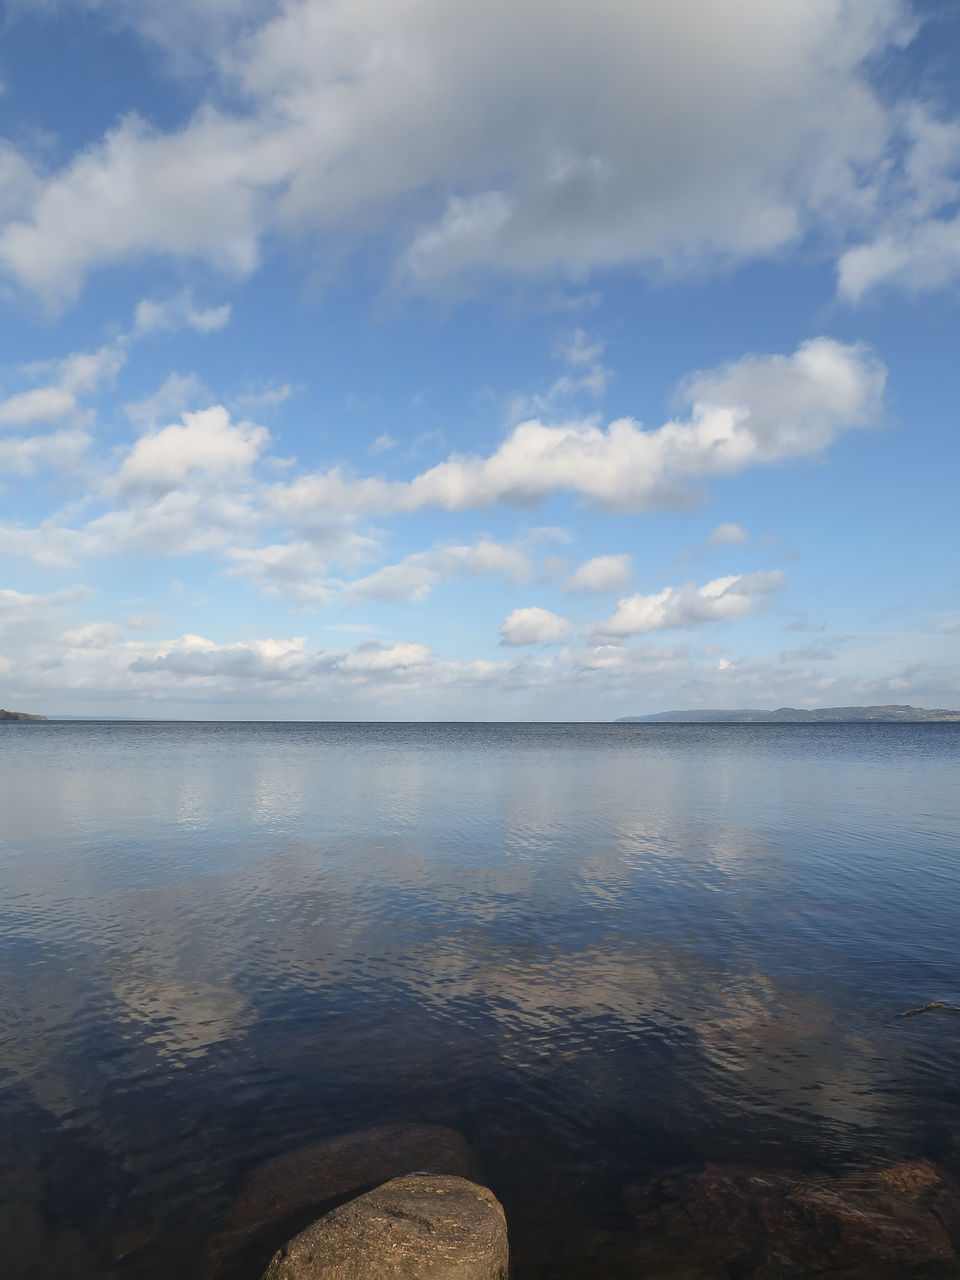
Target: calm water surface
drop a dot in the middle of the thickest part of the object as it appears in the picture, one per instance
(598, 950)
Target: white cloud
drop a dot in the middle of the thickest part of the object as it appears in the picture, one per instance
(176, 394)
(18, 603)
(42, 404)
(268, 397)
(601, 574)
(580, 350)
(202, 516)
(86, 371)
(180, 489)
(19, 182)
(195, 485)
(50, 670)
(49, 543)
(917, 243)
(29, 623)
(728, 535)
(64, 381)
(174, 313)
(25, 455)
(414, 577)
(533, 626)
(758, 410)
(95, 635)
(376, 657)
(190, 193)
(530, 137)
(196, 657)
(585, 373)
(206, 441)
(722, 600)
(382, 444)
(293, 571)
(922, 256)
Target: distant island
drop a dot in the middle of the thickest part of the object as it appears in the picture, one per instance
(18, 715)
(797, 715)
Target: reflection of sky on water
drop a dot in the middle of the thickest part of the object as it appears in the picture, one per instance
(273, 930)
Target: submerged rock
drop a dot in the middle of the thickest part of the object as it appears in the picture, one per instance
(418, 1227)
(284, 1194)
(774, 1226)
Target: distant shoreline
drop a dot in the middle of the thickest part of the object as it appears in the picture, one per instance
(798, 715)
(785, 715)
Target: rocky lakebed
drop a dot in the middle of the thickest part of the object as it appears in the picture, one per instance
(411, 1202)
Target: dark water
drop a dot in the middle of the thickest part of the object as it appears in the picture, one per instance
(598, 950)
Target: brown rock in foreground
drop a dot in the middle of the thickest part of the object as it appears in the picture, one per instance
(349, 1163)
(284, 1194)
(413, 1228)
(773, 1226)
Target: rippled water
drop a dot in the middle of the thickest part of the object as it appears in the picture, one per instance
(598, 950)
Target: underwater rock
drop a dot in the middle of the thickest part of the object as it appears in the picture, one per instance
(284, 1194)
(418, 1227)
(759, 1225)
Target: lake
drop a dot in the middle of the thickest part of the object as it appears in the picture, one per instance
(597, 950)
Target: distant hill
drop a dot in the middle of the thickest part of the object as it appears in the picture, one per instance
(19, 715)
(796, 715)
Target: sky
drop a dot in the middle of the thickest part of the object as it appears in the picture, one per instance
(526, 360)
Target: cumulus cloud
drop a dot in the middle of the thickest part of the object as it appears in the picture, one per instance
(922, 256)
(600, 575)
(294, 571)
(414, 576)
(179, 489)
(382, 443)
(193, 655)
(18, 603)
(25, 455)
(281, 660)
(42, 404)
(175, 395)
(722, 600)
(372, 656)
(531, 137)
(758, 410)
(206, 441)
(728, 535)
(62, 383)
(267, 397)
(52, 668)
(95, 635)
(585, 372)
(917, 242)
(200, 484)
(533, 626)
(50, 542)
(175, 313)
(202, 516)
(30, 623)
(300, 571)
(139, 191)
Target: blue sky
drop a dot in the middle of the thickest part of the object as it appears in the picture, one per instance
(428, 360)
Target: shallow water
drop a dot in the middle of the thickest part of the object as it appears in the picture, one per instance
(598, 950)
